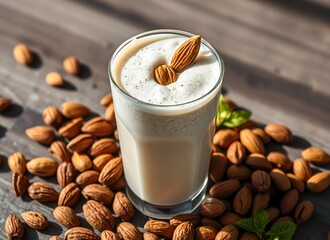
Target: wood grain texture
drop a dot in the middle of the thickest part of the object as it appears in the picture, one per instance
(276, 53)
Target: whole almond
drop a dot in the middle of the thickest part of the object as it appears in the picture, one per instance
(186, 54)
(315, 155)
(239, 172)
(261, 134)
(224, 189)
(249, 236)
(106, 100)
(98, 216)
(160, 228)
(289, 201)
(185, 231)
(261, 200)
(103, 146)
(81, 161)
(285, 219)
(150, 236)
(4, 104)
(165, 75)
(280, 161)
(20, 184)
(98, 193)
(205, 233)
(110, 115)
(35, 220)
(87, 177)
(71, 128)
(127, 231)
(71, 65)
(228, 232)
(65, 174)
(279, 133)
(258, 161)
(123, 207)
(54, 79)
(66, 216)
(69, 195)
(302, 169)
(118, 185)
(13, 227)
(229, 218)
(55, 238)
(23, 54)
(98, 126)
(80, 233)
(112, 171)
(17, 163)
(236, 152)
(243, 201)
(261, 180)
(52, 116)
(280, 179)
(250, 124)
(109, 235)
(212, 223)
(218, 166)
(80, 143)
(273, 213)
(296, 182)
(185, 217)
(318, 182)
(225, 137)
(251, 141)
(303, 211)
(71, 109)
(100, 161)
(42, 166)
(211, 208)
(41, 134)
(42, 192)
(60, 152)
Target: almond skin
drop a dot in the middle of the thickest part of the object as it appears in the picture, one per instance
(20, 184)
(23, 54)
(239, 172)
(52, 116)
(225, 137)
(318, 182)
(289, 201)
(243, 201)
(71, 109)
(315, 155)
(150, 236)
(98, 127)
(280, 180)
(185, 217)
(65, 174)
(100, 161)
(211, 208)
(69, 195)
(71, 128)
(98, 216)
(229, 218)
(13, 227)
(35, 220)
(60, 152)
(42, 166)
(127, 231)
(185, 231)
(261, 134)
(252, 142)
(165, 75)
(205, 233)
(236, 152)
(110, 115)
(280, 161)
(66, 216)
(212, 223)
(261, 200)
(160, 228)
(71, 65)
(225, 189)
(17, 163)
(4, 104)
(302, 169)
(109, 235)
(103, 146)
(258, 161)
(296, 182)
(261, 180)
(273, 213)
(54, 79)
(42, 192)
(80, 233)
(81, 161)
(123, 207)
(86, 178)
(218, 166)
(228, 232)
(106, 100)
(279, 133)
(98, 193)
(41, 134)
(80, 143)
(111, 172)
(303, 211)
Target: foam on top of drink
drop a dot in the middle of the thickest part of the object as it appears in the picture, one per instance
(135, 64)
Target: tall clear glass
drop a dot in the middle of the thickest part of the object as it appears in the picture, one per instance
(165, 148)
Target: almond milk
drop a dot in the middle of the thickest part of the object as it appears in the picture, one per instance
(165, 131)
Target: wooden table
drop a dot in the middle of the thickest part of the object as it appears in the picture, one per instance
(277, 59)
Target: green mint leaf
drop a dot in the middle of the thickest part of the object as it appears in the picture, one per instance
(223, 111)
(260, 220)
(246, 224)
(237, 118)
(282, 230)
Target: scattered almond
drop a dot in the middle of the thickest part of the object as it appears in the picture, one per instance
(123, 207)
(315, 155)
(279, 133)
(225, 137)
(106, 100)
(160, 228)
(98, 193)
(98, 126)
(165, 75)
(81, 161)
(224, 189)
(251, 141)
(80, 143)
(20, 184)
(60, 152)
(185, 231)
(80, 233)
(65, 174)
(280, 179)
(303, 211)
(112, 171)
(71, 128)
(228, 232)
(318, 182)
(13, 227)
(52, 116)
(71, 65)
(41, 134)
(127, 231)
(211, 208)
(69, 195)
(218, 166)
(54, 79)
(280, 161)
(87, 177)
(289, 201)
(66, 216)
(243, 201)
(42, 192)
(103, 146)
(302, 169)
(71, 109)
(42, 166)
(23, 54)
(35, 220)
(17, 163)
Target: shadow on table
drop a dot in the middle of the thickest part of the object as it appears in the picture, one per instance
(299, 142)
(37, 62)
(14, 110)
(85, 71)
(2, 131)
(53, 229)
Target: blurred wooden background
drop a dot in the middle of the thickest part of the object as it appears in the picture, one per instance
(277, 59)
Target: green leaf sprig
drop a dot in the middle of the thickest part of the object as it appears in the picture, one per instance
(257, 224)
(227, 117)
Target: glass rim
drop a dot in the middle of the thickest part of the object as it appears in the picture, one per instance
(165, 31)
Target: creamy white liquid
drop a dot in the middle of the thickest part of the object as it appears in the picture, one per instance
(165, 149)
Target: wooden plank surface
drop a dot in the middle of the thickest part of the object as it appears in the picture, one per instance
(277, 60)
